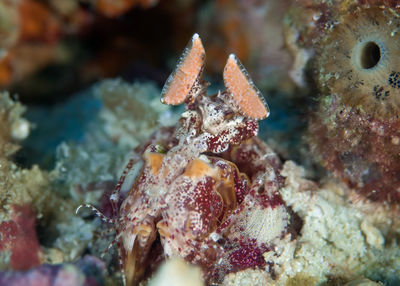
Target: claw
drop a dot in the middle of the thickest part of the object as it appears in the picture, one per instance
(135, 257)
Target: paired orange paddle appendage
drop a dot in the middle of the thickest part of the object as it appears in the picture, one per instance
(236, 79)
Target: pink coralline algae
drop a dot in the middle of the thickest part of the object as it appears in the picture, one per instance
(18, 237)
(208, 189)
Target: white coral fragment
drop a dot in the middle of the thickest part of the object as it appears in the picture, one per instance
(177, 272)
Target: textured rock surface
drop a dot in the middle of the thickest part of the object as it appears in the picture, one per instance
(88, 271)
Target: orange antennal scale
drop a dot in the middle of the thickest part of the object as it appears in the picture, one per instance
(245, 94)
(185, 75)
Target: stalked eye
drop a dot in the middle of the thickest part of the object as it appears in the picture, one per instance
(245, 94)
(360, 62)
(186, 73)
(229, 115)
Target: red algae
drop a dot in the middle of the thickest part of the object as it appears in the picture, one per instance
(18, 236)
(8, 232)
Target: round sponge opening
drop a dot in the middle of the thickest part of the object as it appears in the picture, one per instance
(370, 55)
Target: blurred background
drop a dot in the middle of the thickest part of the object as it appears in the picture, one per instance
(51, 50)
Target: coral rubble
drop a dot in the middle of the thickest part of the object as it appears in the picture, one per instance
(338, 242)
(177, 272)
(26, 197)
(24, 193)
(38, 224)
(337, 239)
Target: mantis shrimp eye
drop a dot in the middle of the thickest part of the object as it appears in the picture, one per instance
(360, 62)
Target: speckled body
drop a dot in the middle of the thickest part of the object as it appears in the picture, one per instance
(194, 196)
(208, 188)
